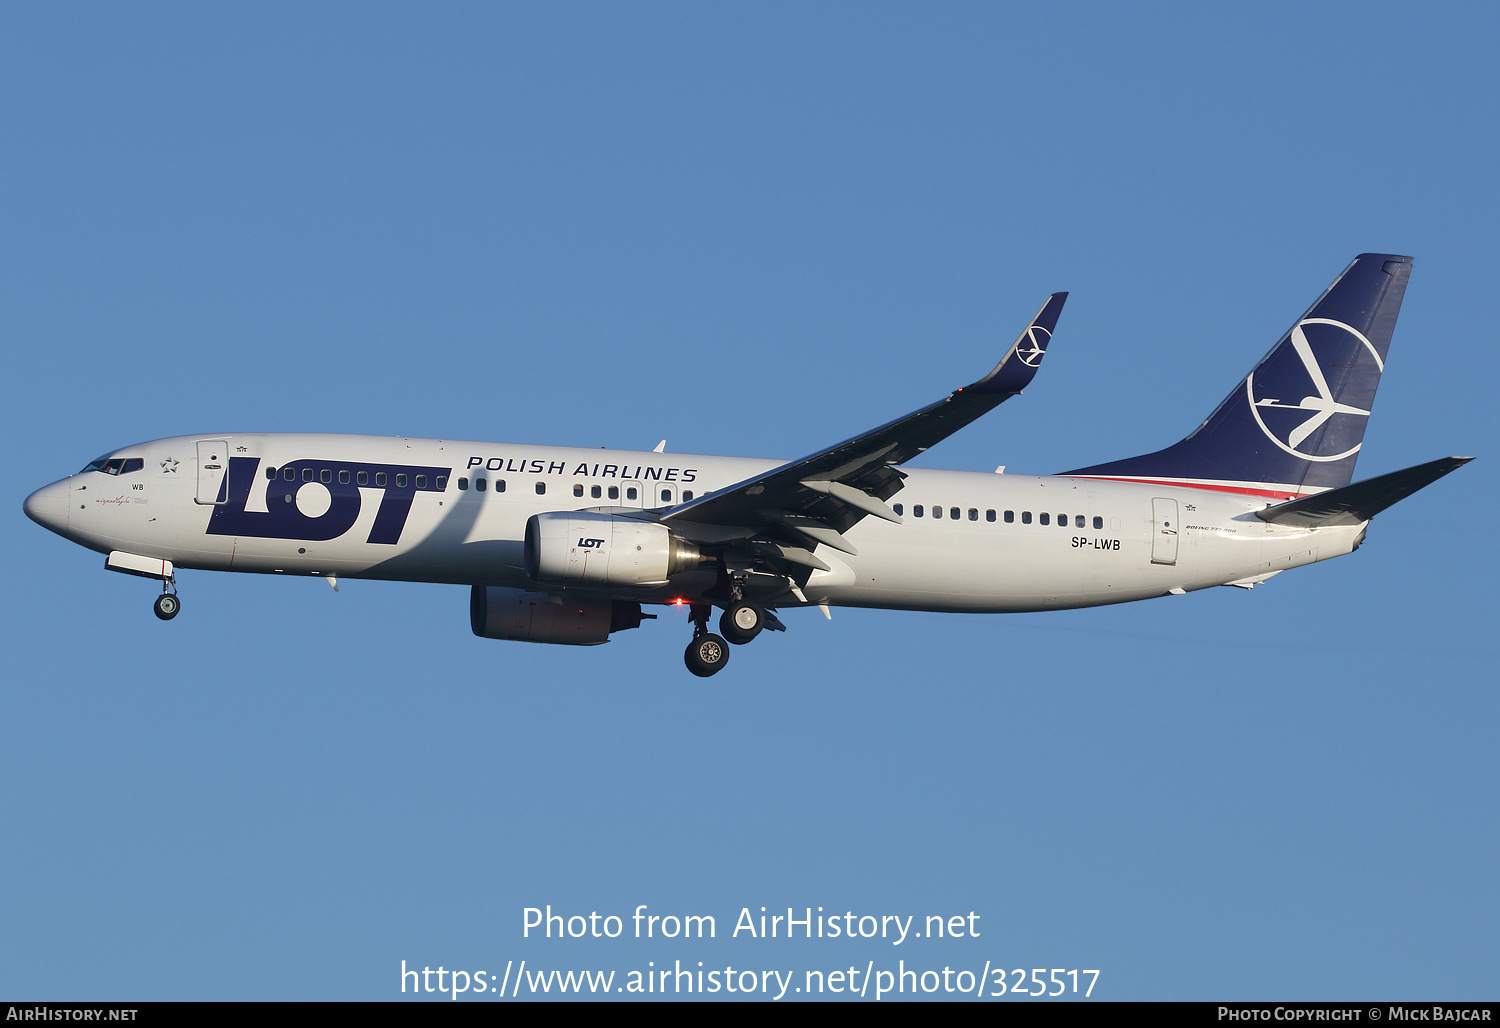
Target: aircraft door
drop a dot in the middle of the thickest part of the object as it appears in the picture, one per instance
(1164, 530)
(213, 459)
(634, 494)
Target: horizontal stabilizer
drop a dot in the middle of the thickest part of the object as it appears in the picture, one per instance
(1353, 504)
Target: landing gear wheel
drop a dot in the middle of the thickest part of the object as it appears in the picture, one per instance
(707, 655)
(166, 606)
(742, 622)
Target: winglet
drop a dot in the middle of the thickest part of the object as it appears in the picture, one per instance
(1018, 367)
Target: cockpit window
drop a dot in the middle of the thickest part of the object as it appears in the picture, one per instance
(116, 465)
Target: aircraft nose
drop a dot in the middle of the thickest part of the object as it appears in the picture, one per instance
(48, 506)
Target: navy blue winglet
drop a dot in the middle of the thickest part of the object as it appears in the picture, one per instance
(1018, 367)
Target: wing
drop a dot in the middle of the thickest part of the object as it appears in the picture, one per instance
(787, 511)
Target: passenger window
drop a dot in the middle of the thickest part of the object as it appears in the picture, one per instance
(578, 490)
(343, 478)
(989, 515)
(499, 485)
(953, 512)
(1026, 517)
(666, 496)
(687, 494)
(421, 481)
(1078, 521)
(897, 508)
(1098, 522)
(326, 475)
(362, 478)
(916, 511)
(479, 484)
(614, 492)
(442, 483)
(1062, 521)
(595, 492)
(400, 481)
(380, 479)
(1010, 517)
(541, 488)
(973, 513)
(270, 474)
(288, 474)
(937, 511)
(630, 493)
(1044, 519)
(307, 474)
(463, 484)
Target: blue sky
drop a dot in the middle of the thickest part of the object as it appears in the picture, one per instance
(751, 230)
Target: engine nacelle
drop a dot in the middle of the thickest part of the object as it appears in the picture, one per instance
(500, 613)
(578, 547)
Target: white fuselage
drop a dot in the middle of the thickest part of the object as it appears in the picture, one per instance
(1101, 541)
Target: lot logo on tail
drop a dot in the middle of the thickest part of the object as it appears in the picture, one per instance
(1296, 426)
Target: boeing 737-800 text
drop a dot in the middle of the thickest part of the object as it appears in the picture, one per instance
(563, 545)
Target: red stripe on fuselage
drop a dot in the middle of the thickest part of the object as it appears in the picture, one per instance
(1275, 494)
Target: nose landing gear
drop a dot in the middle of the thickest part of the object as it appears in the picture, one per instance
(167, 604)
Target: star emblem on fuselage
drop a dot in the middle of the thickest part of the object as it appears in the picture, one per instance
(169, 466)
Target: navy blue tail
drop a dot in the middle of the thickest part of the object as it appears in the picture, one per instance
(1296, 422)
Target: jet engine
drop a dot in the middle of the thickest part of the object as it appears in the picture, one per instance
(500, 613)
(575, 547)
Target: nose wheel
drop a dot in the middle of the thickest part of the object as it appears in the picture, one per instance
(167, 604)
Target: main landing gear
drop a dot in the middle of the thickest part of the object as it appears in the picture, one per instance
(167, 604)
(742, 621)
(707, 654)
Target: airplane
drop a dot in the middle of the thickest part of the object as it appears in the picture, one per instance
(567, 545)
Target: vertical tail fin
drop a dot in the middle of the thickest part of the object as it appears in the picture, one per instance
(1295, 424)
